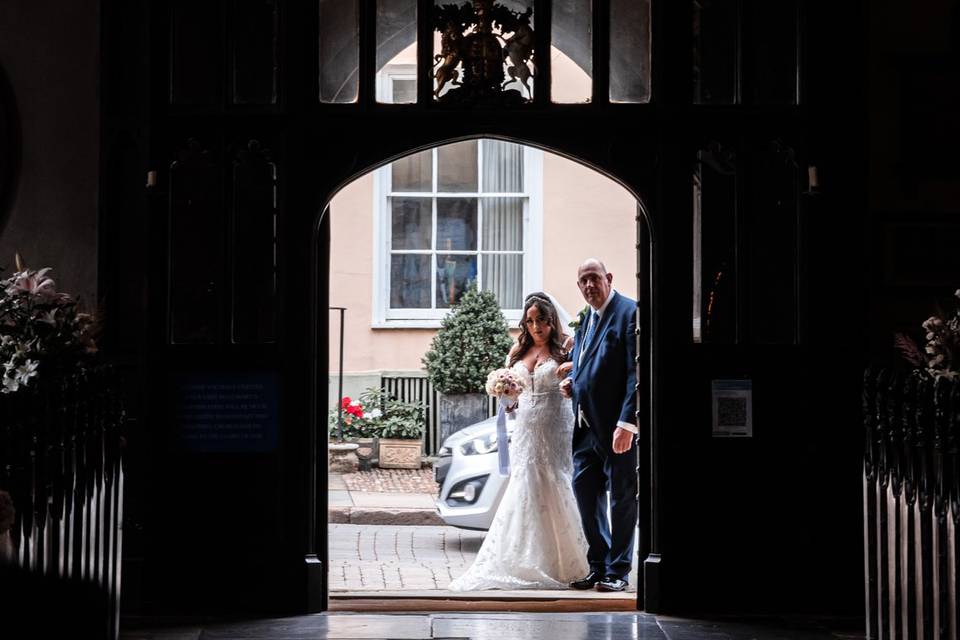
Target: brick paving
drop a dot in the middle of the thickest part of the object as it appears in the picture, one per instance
(393, 481)
(409, 558)
(378, 558)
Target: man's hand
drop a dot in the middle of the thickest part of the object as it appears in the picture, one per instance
(565, 385)
(564, 370)
(622, 440)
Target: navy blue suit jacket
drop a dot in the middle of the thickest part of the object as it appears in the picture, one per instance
(603, 384)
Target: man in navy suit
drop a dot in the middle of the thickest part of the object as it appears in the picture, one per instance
(601, 384)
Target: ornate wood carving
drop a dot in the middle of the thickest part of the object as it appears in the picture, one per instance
(484, 48)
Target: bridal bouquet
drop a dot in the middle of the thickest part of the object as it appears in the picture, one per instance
(507, 386)
(504, 383)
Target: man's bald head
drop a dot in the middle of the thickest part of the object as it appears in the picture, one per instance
(594, 282)
(592, 262)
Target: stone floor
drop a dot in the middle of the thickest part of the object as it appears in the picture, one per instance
(505, 626)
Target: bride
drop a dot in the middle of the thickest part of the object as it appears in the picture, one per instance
(536, 540)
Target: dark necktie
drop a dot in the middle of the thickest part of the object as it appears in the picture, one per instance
(588, 336)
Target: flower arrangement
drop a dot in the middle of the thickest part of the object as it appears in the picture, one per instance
(942, 349)
(356, 422)
(504, 383)
(41, 329)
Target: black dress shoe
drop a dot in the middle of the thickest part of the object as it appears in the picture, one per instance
(588, 581)
(612, 583)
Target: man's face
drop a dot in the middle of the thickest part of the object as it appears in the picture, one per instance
(594, 284)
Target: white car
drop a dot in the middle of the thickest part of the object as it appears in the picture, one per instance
(468, 473)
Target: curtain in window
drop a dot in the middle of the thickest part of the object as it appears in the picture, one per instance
(502, 167)
(503, 232)
(503, 223)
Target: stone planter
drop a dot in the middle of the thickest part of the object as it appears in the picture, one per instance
(342, 457)
(458, 410)
(400, 454)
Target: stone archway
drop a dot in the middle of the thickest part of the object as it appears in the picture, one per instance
(641, 267)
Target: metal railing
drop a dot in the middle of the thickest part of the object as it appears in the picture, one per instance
(61, 462)
(911, 505)
(420, 389)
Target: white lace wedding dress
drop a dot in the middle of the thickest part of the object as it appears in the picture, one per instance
(536, 540)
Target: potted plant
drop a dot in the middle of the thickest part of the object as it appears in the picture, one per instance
(42, 331)
(472, 341)
(398, 426)
(349, 427)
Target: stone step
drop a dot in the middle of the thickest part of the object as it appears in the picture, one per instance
(383, 516)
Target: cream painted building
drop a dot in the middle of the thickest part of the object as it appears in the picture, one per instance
(407, 238)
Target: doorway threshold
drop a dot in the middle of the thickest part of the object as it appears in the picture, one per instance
(525, 600)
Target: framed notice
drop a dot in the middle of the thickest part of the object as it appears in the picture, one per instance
(226, 412)
(732, 404)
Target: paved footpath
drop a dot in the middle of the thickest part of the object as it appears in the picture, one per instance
(378, 558)
(384, 497)
(412, 560)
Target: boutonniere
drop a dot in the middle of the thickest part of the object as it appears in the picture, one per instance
(575, 323)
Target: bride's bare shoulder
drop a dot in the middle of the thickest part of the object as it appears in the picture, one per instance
(513, 350)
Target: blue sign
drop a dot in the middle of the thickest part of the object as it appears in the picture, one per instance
(226, 412)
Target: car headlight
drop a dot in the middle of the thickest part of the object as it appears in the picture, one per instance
(481, 445)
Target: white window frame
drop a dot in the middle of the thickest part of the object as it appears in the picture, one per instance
(386, 318)
(390, 73)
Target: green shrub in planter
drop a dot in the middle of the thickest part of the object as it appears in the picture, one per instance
(473, 340)
(387, 417)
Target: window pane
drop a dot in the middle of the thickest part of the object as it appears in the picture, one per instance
(719, 298)
(716, 44)
(630, 50)
(254, 213)
(502, 224)
(571, 52)
(410, 223)
(410, 281)
(339, 50)
(457, 167)
(413, 173)
(519, 61)
(456, 224)
(775, 58)
(503, 275)
(404, 90)
(697, 258)
(396, 44)
(502, 167)
(454, 273)
(770, 256)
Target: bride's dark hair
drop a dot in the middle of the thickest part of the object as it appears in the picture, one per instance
(557, 336)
